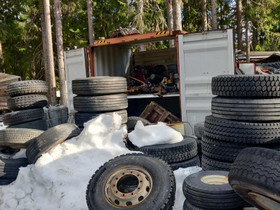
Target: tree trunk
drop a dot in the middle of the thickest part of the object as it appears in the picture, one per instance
(247, 36)
(204, 14)
(60, 58)
(49, 49)
(170, 20)
(214, 14)
(140, 21)
(177, 19)
(2, 69)
(239, 23)
(90, 24)
(44, 43)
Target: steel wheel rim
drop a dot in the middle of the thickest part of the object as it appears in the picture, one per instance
(264, 202)
(214, 179)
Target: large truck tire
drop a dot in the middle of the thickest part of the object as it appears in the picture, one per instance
(212, 164)
(27, 102)
(27, 87)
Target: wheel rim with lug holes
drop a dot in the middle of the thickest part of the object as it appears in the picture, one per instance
(128, 187)
(214, 179)
(264, 202)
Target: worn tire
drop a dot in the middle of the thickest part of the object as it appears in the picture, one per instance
(23, 116)
(246, 109)
(82, 117)
(185, 164)
(27, 102)
(212, 164)
(132, 120)
(100, 103)
(36, 124)
(188, 206)
(256, 170)
(242, 132)
(27, 87)
(18, 138)
(49, 139)
(173, 153)
(100, 85)
(199, 130)
(161, 196)
(9, 167)
(244, 86)
(201, 192)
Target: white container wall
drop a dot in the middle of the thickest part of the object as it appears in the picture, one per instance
(202, 56)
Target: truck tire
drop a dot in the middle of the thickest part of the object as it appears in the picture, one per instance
(9, 167)
(17, 138)
(255, 177)
(137, 173)
(27, 102)
(36, 124)
(244, 86)
(49, 139)
(211, 190)
(173, 153)
(242, 132)
(185, 164)
(211, 164)
(101, 85)
(189, 206)
(132, 120)
(23, 116)
(27, 87)
(82, 117)
(100, 103)
(246, 109)
(199, 130)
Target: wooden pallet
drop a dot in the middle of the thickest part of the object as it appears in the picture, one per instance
(156, 113)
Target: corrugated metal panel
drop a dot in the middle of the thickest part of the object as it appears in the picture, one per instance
(202, 56)
(76, 67)
(111, 60)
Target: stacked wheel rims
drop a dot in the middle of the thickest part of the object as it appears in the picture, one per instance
(245, 113)
(99, 95)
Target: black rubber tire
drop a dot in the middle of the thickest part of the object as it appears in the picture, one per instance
(226, 151)
(245, 86)
(27, 102)
(132, 120)
(185, 164)
(49, 139)
(100, 103)
(9, 167)
(23, 116)
(101, 85)
(82, 117)
(161, 196)
(256, 170)
(173, 153)
(36, 124)
(27, 87)
(212, 164)
(199, 129)
(210, 196)
(246, 109)
(199, 146)
(189, 206)
(242, 132)
(6, 181)
(18, 138)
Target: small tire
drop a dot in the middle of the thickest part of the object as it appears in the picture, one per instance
(36, 124)
(211, 164)
(173, 153)
(185, 164)
(100, 103)
(27, 102)
(23, 116)
(199, 129)
(245, 86)
(27, 87)
(49, 139)
(257, 110)
(17, 138)
(152, 173)
(132, 120)
(101, 85)
(211, 190)
(9, 168)
(254, 176)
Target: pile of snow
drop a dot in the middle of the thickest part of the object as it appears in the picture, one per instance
(59, 178)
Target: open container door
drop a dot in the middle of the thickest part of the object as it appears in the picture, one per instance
(202, 56)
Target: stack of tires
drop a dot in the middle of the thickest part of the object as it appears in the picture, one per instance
(26, 103)
(99, 95)
(198, 132)
(245, 113)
